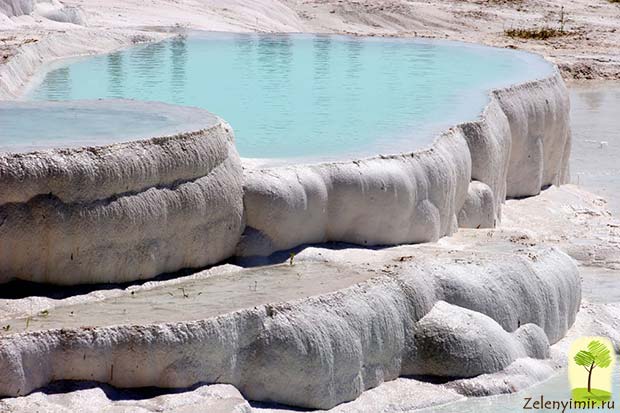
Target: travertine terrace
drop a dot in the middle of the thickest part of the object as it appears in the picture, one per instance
(488, 297)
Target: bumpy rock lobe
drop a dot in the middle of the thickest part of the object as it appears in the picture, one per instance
(479, 209)
(451, 341)
(321, 351)
(120, 212)
(519, 145)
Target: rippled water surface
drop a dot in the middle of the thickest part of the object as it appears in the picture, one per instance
(311, 96)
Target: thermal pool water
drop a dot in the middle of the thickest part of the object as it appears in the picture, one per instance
(304, 96)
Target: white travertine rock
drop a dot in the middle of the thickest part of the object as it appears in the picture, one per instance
(519, 145)
(404, 198)
(520, 375)
(479, 209)
(489, 142)
(320, 351)
(539, 117)
(13, 8)
(49, 9)
(55, 10)
(451, 341)
(121, 212)
(89, 397)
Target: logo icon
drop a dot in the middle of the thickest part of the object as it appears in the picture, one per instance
(590, 369)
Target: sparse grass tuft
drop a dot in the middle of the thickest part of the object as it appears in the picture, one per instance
(541, 33)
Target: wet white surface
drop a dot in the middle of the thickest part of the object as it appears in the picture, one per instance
(595, 119)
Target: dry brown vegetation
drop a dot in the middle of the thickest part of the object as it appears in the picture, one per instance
(540, 33)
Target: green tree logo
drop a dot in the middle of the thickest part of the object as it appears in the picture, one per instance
(599, 356)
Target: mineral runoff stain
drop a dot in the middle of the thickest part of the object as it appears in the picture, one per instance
(590, 366)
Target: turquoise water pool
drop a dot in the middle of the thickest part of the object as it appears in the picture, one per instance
(310, 96)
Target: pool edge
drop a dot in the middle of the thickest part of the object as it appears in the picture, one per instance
(519, 145)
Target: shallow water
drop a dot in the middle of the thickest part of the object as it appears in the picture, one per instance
(600, 285)
(556, 388)
(28, 126)
(305, 96)
(198, 299)
(596, 139)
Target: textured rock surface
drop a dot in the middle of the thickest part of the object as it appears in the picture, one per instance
(520, 144)
(324, 350)
(95, 398)
(539, 117)
(479, 209)
(451, 341)
(50, 9)
(12, 8)
(383, 200)
(121, 212)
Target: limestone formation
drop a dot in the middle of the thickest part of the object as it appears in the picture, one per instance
(520, 144)
(121, 212)
(436, 315)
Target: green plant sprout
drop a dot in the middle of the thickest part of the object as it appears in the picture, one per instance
(597, 355)
(291, 259)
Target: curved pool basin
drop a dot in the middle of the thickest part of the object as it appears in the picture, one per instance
(316, 97)
(502, 120)
(29, 126)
